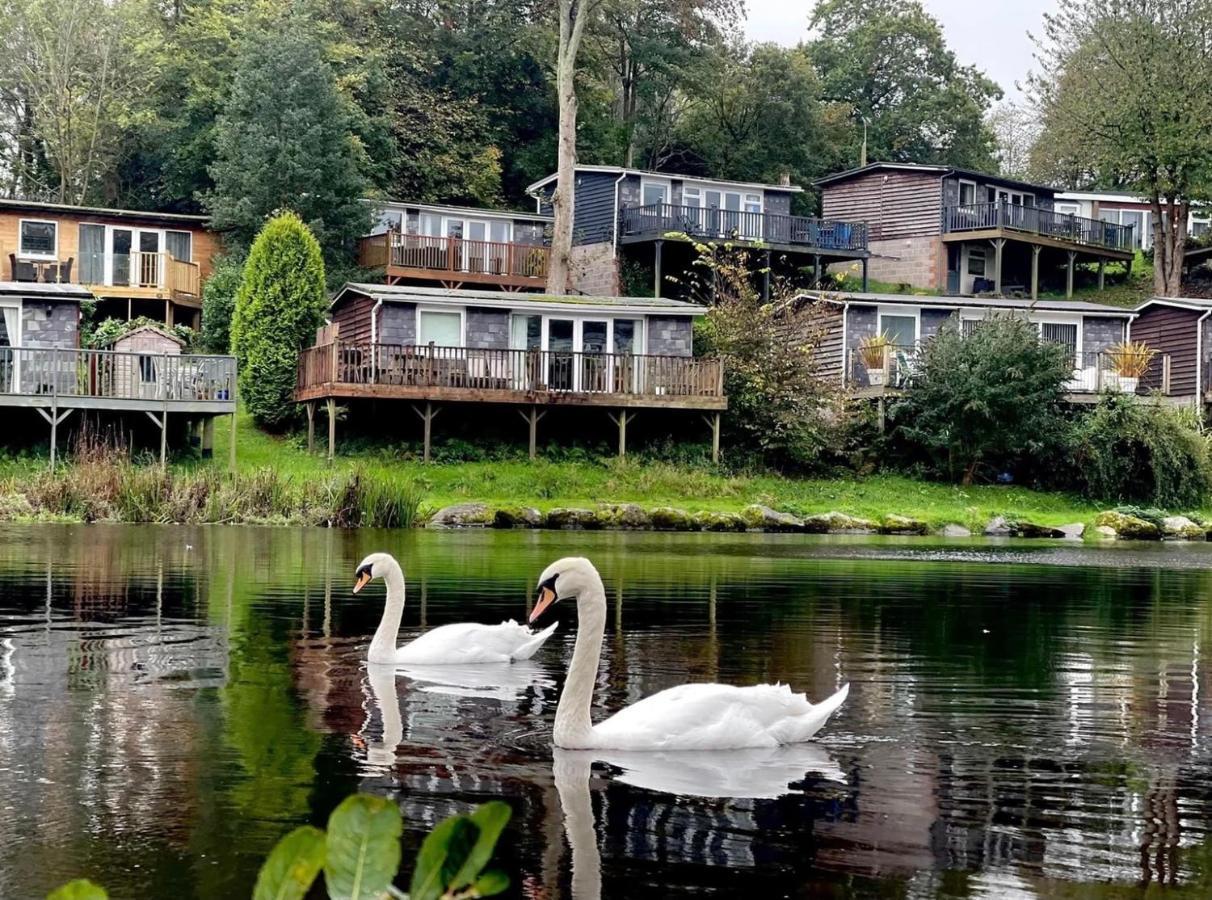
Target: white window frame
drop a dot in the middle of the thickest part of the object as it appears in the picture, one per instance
(901, 312)
(973, 201)
(1039, 321)
(135, 232)
(665, 184)
(967, 258)
(22, 254)
(164, 241)
(461, 311)
(19, 306)
(1067, 208)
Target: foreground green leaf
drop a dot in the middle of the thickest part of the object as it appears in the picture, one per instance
(363, 848)
(80, 889)
(494, 881)
(490, 820)
(292, 866)
(441, 856)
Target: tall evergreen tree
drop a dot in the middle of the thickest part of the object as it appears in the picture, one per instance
(285, 142)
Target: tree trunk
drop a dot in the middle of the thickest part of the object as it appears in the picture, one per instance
(573, 14)
(1169, 244)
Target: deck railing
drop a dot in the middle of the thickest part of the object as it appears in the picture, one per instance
(657, 219)
(530, 371)
(1035, 220)
(454, 255)
(1094, 372)
(116, 375)
(140, 269)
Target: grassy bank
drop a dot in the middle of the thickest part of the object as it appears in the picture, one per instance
(278, 482)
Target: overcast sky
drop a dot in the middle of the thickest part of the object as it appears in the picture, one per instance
(991, 35)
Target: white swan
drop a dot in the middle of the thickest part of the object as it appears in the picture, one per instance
(687, 717)
(465, 643)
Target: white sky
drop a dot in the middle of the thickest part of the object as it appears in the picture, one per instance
(991, 35)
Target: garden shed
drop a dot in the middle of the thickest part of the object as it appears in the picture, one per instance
(138, 360)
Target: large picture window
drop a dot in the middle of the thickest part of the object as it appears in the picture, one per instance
(39, 239)
(442, 328)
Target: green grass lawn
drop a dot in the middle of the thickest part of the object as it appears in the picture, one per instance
(545, 485)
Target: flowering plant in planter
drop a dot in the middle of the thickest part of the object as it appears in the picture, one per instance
(1129, 361)
(873, 351)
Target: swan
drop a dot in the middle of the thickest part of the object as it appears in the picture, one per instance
(465, 643)
(687, 717)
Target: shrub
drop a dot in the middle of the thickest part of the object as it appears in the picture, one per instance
(278, 308)
(105, 332)
(219, 302)
(988, 399)
(1125, 450)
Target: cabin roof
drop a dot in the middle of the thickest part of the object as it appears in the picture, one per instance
(622, 170)
(460, 210)
(40, 206)
(448, 297)
(941, 302)
(1200, 304)
(142, 328)
(941, 171)
(37, 289)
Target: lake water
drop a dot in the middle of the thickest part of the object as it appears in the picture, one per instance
(1025, 720)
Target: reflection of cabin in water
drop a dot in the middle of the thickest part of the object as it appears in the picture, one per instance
(530, 351)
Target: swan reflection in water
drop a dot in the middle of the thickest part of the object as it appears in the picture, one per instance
(756, 774)
(488, 681)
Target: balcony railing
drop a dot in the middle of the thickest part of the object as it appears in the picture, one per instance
(529, 371)
(455, 256)
(145, 270)
(1094, 372)
(1034, 220)
(116, 375)
(658, 219)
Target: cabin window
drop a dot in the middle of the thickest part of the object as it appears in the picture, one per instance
(627, 335)
(753, 203)
(179, 245)
(900, 329)
(526, 332)
(968, 327)
(1199, 225)
(147, 369)
(1136, 219)
(429, 224)
(653, 192)
(967, 193)
(92, 254)
(976, 261)
(692, 196)
(39, 239)
(442, 328)
(1068, 209)
(1063, 333)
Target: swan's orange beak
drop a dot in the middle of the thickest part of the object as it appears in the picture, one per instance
(546, 597)
(363, 580)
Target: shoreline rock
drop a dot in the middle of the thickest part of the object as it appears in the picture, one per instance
(462, 515)
(1128, 527)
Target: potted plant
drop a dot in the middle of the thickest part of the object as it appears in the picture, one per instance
(873, 351)
(1128, 362)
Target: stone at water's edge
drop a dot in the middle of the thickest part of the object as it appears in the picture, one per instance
(668, 518)
(1105, 531)
(895, 524)
(955, 531)
(998, 527)
(1023, 528)
(763, 518)
(624, 515)
(716, 521)
(462, 515)
(838, 523)
(567, 518)
(1129, 527)
(1073, 532)
(1180, 528)
(517, 517)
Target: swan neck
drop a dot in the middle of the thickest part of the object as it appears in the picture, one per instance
(573, 724)
(383, 646)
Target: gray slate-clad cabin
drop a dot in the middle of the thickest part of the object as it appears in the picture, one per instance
(453, 246)
(1090, 330)
(622, 213)
(433, 346)
(962, 232)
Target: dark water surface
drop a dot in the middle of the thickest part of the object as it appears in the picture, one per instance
(1025, 720)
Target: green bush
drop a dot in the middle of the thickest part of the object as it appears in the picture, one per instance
(105, 332)
(278, 308)
(219, 302)
(1129, 451)
(991, 399)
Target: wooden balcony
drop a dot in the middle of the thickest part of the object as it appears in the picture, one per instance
(533, 377)
(155, 276)
(108, 379)
(454, 262)
(825, 237)
(1042, 226)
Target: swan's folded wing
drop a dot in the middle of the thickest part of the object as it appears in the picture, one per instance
(466, 643)
(715, 717)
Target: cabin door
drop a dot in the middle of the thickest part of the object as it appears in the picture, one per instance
(561, 375)
(595, 363)
(10, 337)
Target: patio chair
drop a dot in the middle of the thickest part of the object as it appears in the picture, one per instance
(22, 270)
(59, 273)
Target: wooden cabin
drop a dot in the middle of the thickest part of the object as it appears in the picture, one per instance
(623, 214)
(430, 346)
(962, 232)
(43, 367)
(1089, 330)
(134, 263)
(1181, 328)
(457, 246)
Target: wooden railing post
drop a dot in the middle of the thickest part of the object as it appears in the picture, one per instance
(1166, 377)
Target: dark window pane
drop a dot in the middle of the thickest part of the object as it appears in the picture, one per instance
(38, 238)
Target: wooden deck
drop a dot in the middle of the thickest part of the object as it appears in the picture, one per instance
(1039, 227)
(455, 262)
(58, 381)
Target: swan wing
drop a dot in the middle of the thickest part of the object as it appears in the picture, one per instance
(468, 643)
(716, 717)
